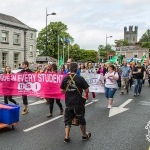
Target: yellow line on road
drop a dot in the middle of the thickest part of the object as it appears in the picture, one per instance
(149, 148)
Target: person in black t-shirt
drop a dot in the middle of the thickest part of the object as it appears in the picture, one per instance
(25, 66)
(74, 104)
(139, 73)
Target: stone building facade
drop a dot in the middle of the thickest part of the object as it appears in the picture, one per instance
(131, 35)
(17, 42)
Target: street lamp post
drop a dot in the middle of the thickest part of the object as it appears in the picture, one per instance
(46, 30)
(106, 43)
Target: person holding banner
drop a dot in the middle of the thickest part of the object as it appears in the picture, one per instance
(25, 66)
(51, 100)
(111, 84)
(90, 69)
(73, 86)
(7, 71)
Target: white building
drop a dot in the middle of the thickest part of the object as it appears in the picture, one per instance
(17, 42)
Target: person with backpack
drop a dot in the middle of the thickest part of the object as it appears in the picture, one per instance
(125, 75)
(111, 84)
(73, 86)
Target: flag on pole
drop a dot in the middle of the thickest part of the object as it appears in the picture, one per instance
(60, 62)
(66, 40)
(71, 40)
(142, 60)
(114, 59)
(131, 61)
(59, 38)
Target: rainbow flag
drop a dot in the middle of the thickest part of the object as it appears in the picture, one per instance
(131, 61)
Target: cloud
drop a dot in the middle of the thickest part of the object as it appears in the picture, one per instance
(88, 21)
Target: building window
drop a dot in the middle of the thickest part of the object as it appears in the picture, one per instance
(4, 60)
(4, 36)
(16, 60)
(31, 36)
(31, 50)
(16, 38)
(110, 57)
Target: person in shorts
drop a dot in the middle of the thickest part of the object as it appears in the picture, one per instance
(111, 84)
(74, 102)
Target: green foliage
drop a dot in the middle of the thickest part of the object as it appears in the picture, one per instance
(121, 42)
(145, 37)
(58, 28)
(53, 30)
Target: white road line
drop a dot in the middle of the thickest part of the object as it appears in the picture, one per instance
(51, 120)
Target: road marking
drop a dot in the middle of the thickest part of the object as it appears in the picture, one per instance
(149, 148)
(117, 110)
(51, 120)
(38, 102)
(145, 103)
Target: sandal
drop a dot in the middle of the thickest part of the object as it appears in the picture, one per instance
(61, 112)
(50, 115)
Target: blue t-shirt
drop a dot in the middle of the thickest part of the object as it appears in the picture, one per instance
(67, 71)
(125, 71)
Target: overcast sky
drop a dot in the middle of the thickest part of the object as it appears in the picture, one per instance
(88, 21)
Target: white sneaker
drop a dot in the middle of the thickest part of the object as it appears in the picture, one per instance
(109, 106)
(93, 100)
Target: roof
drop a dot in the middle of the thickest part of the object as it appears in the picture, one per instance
(130, 48)
(12, 21)
(43, 58)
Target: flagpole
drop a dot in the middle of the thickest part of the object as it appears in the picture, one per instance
(68, 50)
(58, 49)
(63, 51)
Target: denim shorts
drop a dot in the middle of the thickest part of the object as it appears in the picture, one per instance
(109, 92)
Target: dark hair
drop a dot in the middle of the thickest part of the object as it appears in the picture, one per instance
(112, 66)
(54, 67)
(26, 63)
(83, 66)
(73, 67)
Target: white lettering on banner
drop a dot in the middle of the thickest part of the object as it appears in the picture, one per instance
(26, 77)
(54, 78)
(95, 82)
(35, 87)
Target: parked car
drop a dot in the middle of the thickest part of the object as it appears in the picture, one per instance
(1, 71)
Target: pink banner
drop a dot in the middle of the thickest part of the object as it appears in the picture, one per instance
(46, 85)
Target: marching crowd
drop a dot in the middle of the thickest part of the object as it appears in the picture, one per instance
(123, 76)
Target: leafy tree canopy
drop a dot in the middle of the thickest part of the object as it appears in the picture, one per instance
(121, 42)
(145, 37)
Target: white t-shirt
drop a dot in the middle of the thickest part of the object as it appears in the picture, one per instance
(110, 81)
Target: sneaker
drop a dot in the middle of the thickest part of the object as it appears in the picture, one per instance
(86, 138)
(25, 111)
(66, 140)
(135, 94)
(138, 94)
(61, 112)
(121, 93)
(109, 106)
(50, 115)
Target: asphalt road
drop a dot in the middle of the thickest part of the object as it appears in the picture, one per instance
(123, 131)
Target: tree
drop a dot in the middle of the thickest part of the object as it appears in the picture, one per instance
(53, 30)
(121, 42)
(145, 37)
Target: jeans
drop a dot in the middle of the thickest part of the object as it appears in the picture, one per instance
(138, 86)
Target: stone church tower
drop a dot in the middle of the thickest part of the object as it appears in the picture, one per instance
(131, 36)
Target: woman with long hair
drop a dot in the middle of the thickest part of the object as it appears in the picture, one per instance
(51, 100)
(7, 71)
(82, 68)
(111, 84)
